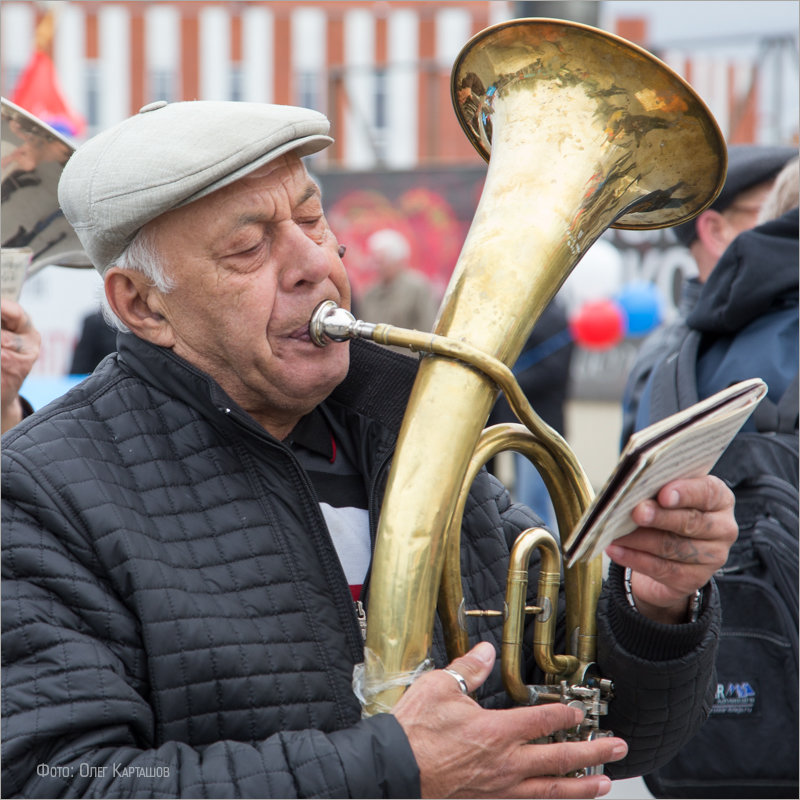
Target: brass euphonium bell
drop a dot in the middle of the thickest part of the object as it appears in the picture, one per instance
(32, 225)
(582, 130)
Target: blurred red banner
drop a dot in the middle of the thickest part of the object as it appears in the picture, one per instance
(37, 91)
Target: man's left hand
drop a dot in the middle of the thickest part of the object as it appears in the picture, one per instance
(683, 538)
(19, 351)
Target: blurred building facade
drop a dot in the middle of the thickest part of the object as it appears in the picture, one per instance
(380, 70)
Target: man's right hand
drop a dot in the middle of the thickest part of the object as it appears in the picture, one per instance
(463, 750)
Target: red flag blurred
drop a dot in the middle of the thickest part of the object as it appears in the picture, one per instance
(37, 91)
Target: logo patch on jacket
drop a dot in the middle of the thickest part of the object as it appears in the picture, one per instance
(734, 698)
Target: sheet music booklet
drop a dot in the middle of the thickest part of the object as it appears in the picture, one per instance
(684, 445)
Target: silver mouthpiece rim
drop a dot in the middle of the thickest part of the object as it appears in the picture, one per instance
(330, 322)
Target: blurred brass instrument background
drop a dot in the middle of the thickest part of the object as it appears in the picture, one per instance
(582, 130)
(35, 233)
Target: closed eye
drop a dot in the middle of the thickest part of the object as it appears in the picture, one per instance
(251, 250)
(314, 227)
(244, 258)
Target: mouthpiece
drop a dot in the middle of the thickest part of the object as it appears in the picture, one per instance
(330, 322)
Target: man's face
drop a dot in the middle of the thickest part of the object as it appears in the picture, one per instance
(386, 267)
(250, 263)
(742, 214)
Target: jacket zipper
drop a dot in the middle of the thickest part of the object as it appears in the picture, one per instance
(361, 614)
(357, 606)
(360, 608)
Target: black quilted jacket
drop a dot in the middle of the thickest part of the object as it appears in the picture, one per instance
(176, 622)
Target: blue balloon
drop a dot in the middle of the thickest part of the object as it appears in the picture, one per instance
(642, 305)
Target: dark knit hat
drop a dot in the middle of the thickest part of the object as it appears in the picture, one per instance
(748, 165)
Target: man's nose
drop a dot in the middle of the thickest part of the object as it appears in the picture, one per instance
(307, 261)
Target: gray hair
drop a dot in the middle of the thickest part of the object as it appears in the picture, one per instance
(784, 192)
(141, 255)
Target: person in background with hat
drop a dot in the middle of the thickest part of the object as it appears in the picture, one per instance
(752, 170)
(745, 324)
(400, 294)
(187, 533)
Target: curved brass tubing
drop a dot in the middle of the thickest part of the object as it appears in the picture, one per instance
(545, 610)
(566, 481)
(571, 493)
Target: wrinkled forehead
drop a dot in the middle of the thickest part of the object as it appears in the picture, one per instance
(275, 188)
(287, 172)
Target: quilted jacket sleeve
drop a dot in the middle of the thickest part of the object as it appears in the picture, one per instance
(77, 720)
(664, 676)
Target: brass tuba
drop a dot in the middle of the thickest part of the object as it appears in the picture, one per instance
(582, 130)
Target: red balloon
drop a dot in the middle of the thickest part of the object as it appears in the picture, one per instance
(598, 324)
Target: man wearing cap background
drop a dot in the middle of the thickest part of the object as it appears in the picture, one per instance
(187, 533)
(400, 295)
(744, 324)
(752, 169)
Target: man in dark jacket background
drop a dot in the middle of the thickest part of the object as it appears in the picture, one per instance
(744, 324)
(187, 533)
(543, 373)
(752, 170)
(746, 313)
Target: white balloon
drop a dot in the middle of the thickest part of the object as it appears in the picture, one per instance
(598, 275)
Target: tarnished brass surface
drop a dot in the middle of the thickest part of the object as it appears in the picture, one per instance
(660, 155)
(33, 158)
(582, 130)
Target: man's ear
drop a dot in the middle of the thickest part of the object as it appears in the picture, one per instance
(712, 231)
(139, 305)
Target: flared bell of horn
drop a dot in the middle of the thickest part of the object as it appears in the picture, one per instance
(34, 155)
(582, 130)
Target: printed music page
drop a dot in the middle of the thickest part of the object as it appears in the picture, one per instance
(684, 445)
(15, 262)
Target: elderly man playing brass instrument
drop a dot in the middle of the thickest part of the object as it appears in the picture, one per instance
(187, 533)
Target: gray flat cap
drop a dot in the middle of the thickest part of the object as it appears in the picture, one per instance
(171, 154)
(748, 165)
